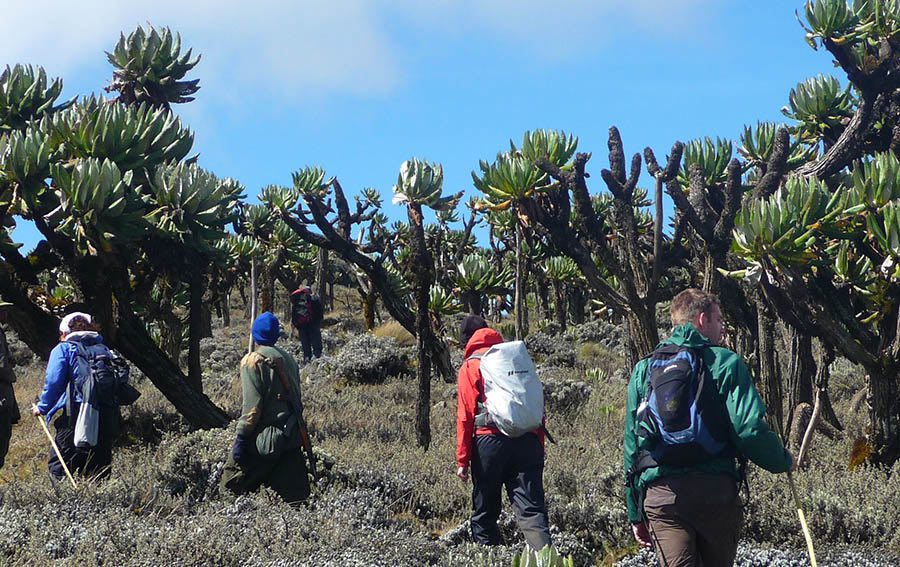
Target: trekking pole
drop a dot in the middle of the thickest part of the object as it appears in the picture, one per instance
(40, 418)
(806, 533)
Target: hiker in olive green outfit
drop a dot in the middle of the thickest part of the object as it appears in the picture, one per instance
(267, 449)
(692, 514)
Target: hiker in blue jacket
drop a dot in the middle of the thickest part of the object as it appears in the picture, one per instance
(62, 371)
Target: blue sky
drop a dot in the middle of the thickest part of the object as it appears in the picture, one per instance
(359, 86)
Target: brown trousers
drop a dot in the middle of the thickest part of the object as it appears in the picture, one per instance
(694, 520)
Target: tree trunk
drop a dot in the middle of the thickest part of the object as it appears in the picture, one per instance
(268, 289)
(32, 325)
(473, 302)
(769, 369)
(321, 278)
(133, 341)
(226, 308)
(424, 277)
(253, 306)
(801, 369)
(543, 294)
(559, 304)
(642, 333)
(195, 327)
(883, 400)
(369, 300)
(519, 307)
(577, 305)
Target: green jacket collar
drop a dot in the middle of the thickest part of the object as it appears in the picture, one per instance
(688, 336)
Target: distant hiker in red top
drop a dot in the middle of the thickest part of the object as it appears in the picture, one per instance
(307, 313)
(495, 459)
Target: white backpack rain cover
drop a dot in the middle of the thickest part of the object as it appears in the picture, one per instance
(514, 393)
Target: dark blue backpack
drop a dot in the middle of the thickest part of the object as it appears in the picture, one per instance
(681, 415)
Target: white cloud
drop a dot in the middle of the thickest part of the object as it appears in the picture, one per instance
(301, 49)
(280, 47)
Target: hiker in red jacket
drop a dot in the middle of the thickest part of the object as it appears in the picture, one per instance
(495, 459)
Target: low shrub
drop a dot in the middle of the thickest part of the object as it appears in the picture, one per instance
(369, 359)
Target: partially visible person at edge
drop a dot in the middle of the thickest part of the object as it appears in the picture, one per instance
(62, 372)
(496, 460)
(310, 331)
(267, 448)
(693, 515)
(9, 409)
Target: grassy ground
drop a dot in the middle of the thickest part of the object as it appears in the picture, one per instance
(385, 501)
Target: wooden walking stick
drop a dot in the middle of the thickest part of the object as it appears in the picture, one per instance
(62, 461)
(806, 533)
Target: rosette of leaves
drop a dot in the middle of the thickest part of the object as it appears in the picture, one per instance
(398, 283)
(561, 269)
(133, 136)
(509, 179)
(757, 144)
(192, 204)
(310, 182)
(148, 66)
(26, 94)
(476, 275)
(830, 19)
(861, 24)
(502, 223)
(784, 227)
(422, 183)
(97, 205)
(256, 221)
(819, 105)
(875, 183)
(25, 160)
(294, 252)
(554, 146)
(546, 557)
(441, 302)
(711, 157)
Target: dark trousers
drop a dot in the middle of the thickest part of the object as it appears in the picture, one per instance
(311, 339)
(694, 519)
(286, 475)
(95, 462)
(517, 464)
(5, 435)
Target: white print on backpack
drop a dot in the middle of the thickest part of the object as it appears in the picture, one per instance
(514, 395)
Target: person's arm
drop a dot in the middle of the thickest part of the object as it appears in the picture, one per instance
(7, 374)
(56, 378)
(467, 398)
(252, 394)
(631, 441)
(318, 309)
(753, 436)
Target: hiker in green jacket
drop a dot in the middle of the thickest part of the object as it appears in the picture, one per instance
(691, 512)
(268, 446)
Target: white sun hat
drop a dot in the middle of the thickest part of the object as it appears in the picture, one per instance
(67, 320)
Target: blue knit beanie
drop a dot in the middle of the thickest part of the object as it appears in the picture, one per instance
(266, 329)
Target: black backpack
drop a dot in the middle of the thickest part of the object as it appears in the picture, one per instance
(302, 309)
(681, 414)
(108, 373)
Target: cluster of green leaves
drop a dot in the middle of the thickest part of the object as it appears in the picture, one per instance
(844, 22)
(26, 94)
(839, 233)
(546, 557)
(148, 67)
(421, 183)
(819, 105)
(516, 175)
